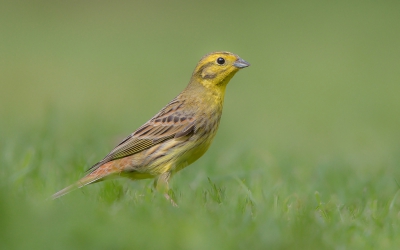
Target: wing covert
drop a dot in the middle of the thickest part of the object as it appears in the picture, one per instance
(169, 123)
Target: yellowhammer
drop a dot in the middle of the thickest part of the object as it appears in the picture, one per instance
(175, 137)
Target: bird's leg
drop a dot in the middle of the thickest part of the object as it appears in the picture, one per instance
(161, 184)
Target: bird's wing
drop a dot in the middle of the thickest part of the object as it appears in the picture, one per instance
(171, 122)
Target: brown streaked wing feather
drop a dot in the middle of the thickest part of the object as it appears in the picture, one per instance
(169, 123)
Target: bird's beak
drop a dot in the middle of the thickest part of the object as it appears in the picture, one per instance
(240, 63)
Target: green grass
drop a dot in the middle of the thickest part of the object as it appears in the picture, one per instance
(307, 155)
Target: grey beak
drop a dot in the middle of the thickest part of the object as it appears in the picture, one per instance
(240, 63)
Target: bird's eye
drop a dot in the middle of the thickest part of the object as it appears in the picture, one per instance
(220, 60)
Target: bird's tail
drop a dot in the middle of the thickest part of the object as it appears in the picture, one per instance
(82, 182)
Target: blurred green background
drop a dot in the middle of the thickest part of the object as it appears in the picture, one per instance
(307, 154)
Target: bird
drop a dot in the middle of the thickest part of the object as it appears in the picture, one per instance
(179, 134)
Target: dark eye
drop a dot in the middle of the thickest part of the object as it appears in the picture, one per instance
(220, 60)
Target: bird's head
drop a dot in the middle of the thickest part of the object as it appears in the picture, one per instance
(217, 68)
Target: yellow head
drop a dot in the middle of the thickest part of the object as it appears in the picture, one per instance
(217, 68)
